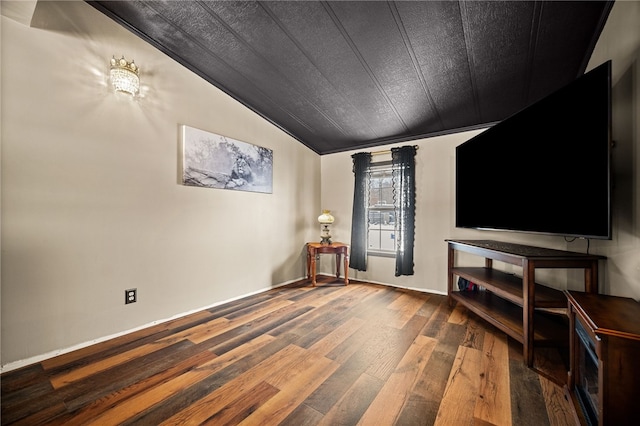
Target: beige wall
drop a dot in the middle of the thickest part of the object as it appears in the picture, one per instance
(620, 42)
(91, 200)
(435, 210)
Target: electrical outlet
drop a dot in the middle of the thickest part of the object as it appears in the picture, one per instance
(130, 296)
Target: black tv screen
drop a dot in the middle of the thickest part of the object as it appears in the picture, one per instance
(545, 169)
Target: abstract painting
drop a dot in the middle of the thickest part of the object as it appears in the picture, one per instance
(214, 161)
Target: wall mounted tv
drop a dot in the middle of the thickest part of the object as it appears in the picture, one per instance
(545, 169)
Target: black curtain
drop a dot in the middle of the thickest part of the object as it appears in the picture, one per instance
(404, 194)
(358, 255)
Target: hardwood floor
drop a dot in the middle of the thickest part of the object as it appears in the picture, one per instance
(362, 354)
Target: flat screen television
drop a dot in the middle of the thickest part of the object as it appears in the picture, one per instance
(545, 169)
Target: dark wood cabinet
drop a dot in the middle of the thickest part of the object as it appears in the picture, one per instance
(525, 310)
(604, 371)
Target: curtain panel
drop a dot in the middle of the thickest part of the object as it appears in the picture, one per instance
(359, 222)
(404, 194)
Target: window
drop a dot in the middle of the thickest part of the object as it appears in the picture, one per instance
(381, 213)
(383, 220)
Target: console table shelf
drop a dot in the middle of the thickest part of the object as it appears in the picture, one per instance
(508, 317)
(509, 287)
(518, 306)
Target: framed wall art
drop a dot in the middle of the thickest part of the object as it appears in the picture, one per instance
(214, 161)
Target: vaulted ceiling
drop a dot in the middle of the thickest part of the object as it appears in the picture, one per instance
(343, 75)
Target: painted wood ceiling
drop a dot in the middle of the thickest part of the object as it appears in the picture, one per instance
(344, 75)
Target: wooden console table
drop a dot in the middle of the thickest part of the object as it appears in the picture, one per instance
(513, 303)
(313, 254)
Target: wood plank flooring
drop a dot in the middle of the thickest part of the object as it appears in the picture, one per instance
(361, 354)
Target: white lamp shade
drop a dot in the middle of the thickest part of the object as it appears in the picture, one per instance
(325, 218)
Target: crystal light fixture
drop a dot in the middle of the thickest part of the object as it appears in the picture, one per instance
(124, 76)
(325, 220)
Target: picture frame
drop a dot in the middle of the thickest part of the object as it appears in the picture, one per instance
(210, 160)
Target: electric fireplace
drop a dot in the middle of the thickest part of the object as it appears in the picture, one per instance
(605, 358)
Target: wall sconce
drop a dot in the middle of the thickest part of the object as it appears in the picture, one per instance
(124, 76)
(325, 220)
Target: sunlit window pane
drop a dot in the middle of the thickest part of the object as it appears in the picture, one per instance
(381, 213)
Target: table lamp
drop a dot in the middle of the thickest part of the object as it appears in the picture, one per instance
(325, 220)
